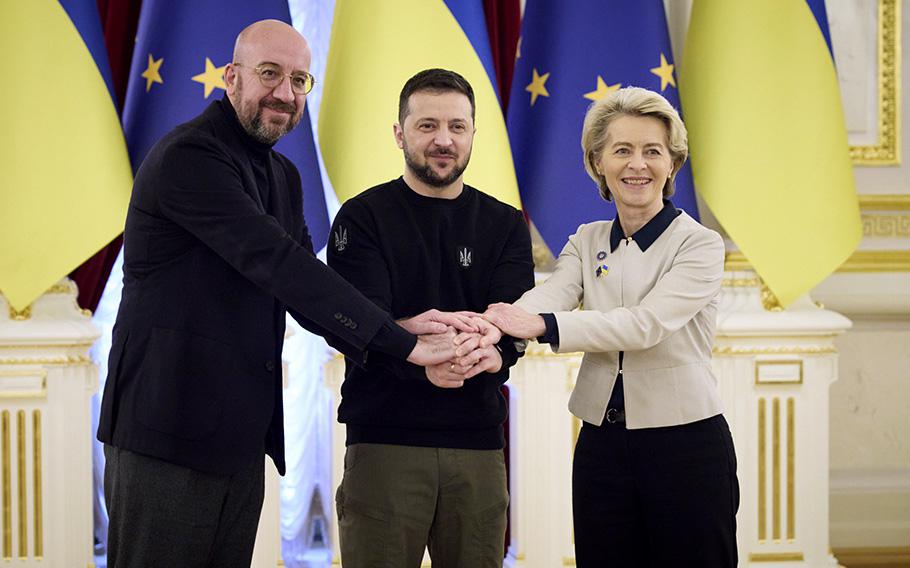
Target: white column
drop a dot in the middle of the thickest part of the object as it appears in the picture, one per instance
(775, 369)
(267, 550)
(542, 436)
(46, 383)
(334, 376)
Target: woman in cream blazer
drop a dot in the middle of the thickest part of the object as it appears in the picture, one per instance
(654, 472)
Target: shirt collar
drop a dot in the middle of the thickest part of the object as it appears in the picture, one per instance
(646, 236)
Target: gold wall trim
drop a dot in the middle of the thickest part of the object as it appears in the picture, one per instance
(877, 261)
(549, 355)
(729, 350)
(859, 261)
(881, 226)
(21, 486)
(778, 362)
(79, 345)
(62, 360)
(775, 468)
(735, 260)
(880, 556)
(39, 390)
(7, 490)
(38, 496)
(741, 282)
(762, 473)
(66, 286)
(791, 468)
(885, 202)
(20, 315)
(886, 151)
(776, 557)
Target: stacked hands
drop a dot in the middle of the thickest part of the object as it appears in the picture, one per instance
(456, 346)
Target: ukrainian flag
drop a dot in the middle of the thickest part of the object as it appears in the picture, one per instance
(767, 137)
(64, 172)
(376, 46)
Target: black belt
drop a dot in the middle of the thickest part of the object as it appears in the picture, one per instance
(615, 416)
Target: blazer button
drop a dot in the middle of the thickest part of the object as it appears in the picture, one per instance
(270, 365)
(338, 316)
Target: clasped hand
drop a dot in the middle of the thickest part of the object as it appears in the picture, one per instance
(462, 344)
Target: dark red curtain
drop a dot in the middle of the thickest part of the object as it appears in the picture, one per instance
(503, 27)
(119, 19)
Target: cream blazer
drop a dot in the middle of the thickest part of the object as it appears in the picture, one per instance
(658, 306)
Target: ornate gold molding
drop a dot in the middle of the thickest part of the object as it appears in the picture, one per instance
(791, 467)
(884, 225)
(61, 360)
(741, 282)
(729, 350)
(21, 490)
(859, 261)
(885, 202)
(769, 300)
(7, 486)
(38, 489)
(776, 557)
(894, 223)
(886, 152)
(877, 261)
(20, 315)
(762, 472)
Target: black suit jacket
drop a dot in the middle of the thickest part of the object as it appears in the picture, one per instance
(213, 258)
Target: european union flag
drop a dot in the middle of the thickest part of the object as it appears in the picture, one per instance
(571, 54)
(177, 70)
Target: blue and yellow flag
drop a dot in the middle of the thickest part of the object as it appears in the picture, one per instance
(64, 173)
(571, 54)
(369, 61)
(768, 140)
(177, 70)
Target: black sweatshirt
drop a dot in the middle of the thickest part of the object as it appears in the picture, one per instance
(409, 253)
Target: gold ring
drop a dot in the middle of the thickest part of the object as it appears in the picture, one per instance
(451, 367)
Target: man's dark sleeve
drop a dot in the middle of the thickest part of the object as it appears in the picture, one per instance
(512, 277)
(354, 254)
(202, 192)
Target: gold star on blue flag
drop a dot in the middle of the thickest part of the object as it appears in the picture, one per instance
(592, 48)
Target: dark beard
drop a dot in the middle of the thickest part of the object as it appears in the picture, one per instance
(426, 174)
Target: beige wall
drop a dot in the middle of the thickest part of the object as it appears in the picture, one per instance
(870, 403)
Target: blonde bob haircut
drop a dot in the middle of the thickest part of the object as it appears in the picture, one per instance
(631, 101)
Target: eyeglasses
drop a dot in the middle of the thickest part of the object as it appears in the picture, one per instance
(271, 75)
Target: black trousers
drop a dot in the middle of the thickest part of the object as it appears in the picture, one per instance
(162, 514)
(655, 497)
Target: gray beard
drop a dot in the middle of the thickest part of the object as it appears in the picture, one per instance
(257, 129)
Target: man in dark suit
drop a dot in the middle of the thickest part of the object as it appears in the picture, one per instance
(215, 253)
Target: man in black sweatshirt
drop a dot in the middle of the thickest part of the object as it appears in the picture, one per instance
(424, 464)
